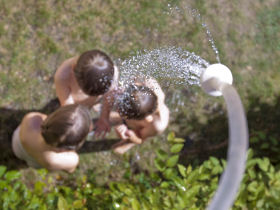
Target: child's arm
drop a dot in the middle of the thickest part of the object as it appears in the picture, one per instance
(61, 81)
(67, 161)
(133, 137)
(123, 148)
(130, 138)
(102, 126)
(126, 143)
(162, 118)
(115, 79)
(63, 93)
(126, 134)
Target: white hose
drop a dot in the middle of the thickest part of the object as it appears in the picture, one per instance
(216, 80)
(237, 150)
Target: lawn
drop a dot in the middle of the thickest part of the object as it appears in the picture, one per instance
(36, 36)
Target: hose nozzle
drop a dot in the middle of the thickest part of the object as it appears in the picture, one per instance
(213, 77)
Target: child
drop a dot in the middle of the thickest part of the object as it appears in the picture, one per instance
(51, 141)
(140, 113)
(85, 79)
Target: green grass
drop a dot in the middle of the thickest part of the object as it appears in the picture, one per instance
(36, 36)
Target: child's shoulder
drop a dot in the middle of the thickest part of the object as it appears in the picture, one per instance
(155, 86)
(162, 119)
(63, 72)
(32, 121)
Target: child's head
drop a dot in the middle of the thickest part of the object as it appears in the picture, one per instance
(67, 127)
(137, 102)
(94, 72)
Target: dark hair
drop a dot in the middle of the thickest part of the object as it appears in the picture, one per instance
(94, 72)
(137, 102)
(67, 127)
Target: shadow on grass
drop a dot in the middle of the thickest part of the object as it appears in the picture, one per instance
(9, 121)
(11, 118)
(98, 146)
(212, 139)
(209, 140)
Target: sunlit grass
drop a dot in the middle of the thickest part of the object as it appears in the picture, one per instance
(36, 36)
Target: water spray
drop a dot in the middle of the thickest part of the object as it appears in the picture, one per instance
(216, 80)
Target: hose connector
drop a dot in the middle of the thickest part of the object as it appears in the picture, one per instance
(213, 77)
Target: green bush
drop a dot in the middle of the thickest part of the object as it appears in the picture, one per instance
(266, 145)
(173, 186)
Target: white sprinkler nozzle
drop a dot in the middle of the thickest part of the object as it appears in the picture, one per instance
(213, 77)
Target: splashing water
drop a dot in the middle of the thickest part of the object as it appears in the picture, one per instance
(194, 13)
(208, 33)
(170, 64)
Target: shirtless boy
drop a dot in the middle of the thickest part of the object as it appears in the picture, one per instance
(52, 141)
(84, 79)
(140, 112)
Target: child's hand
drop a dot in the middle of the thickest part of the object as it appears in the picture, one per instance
(102, 126)
(121, 131)
(133, 137)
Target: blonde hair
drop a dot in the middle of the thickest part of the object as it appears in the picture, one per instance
(67, 127)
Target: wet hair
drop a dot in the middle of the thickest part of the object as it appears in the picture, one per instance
(137, 102)
(67, 127)
(94, 72)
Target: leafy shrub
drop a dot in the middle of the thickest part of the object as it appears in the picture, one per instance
(266, 145)
(173, 186)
